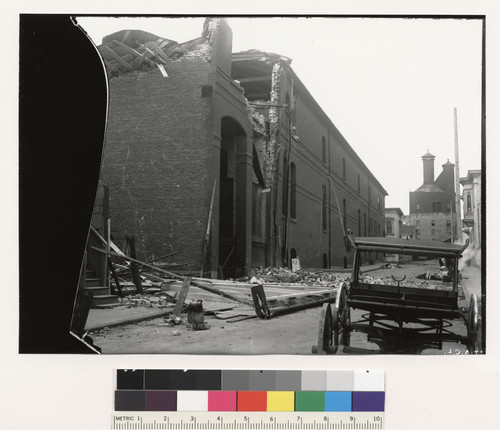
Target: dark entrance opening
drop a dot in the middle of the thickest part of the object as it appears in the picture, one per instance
(231, 262)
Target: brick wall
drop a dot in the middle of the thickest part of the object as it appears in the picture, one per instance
(156, 159)
(306, 234)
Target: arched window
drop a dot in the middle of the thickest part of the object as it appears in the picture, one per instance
(293, 191)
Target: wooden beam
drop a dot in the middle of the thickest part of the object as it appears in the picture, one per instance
(182, 297)
(110, 65)
(131, 50)
(159, 52)
(257, 95)
(118, 58)
(255, 79)
(174, 275)
(267, 104)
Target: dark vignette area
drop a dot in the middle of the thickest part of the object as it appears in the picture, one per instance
(62, 114)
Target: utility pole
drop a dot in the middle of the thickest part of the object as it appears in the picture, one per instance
(458, 210)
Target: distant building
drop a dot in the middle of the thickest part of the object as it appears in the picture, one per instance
(432, 205)
(395, 227)
(471, 195)
(393, 221)
(408, 231)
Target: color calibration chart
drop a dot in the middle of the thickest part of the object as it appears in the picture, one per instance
(249, 399)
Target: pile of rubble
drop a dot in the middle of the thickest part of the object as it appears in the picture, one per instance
(286, 276)
(411, 283)
(159, 300)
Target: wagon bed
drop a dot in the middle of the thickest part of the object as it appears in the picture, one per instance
(398, 316)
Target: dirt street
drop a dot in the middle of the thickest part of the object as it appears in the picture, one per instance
(293, 333)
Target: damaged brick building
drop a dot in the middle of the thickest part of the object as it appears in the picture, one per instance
(227, 157)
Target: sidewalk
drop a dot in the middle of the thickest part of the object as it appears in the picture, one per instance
(101, 318)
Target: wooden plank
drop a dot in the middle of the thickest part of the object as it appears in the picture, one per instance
(115, 277)
(133, 265)
(112, 245)
(176, 276)
(159, 52)
(300, 295)
(182, 297)
(118, 58)
(131, 50)
(110, 65)
(207, 235)
(152, 277)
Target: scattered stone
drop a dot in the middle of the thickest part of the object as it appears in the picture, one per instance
(286, 276)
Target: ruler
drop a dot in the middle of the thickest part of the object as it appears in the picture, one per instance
(247, 420)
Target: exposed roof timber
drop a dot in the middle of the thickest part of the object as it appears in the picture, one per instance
(110, 65)
(131, 50)
(248, 69)
(267, 104)
(257, 96)
(255, 79)
(158, 51)
(118, 58)
(255, 55)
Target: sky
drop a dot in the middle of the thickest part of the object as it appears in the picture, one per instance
(389, 85)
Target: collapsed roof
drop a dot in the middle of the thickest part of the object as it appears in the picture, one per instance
(128, 51)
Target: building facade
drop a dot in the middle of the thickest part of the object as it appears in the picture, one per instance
(393, 222)
(471, 195)
(432, 205)
(227, 158)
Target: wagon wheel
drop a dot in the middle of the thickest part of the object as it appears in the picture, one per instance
(345, 334)
(260, 302)
(327, 323)
(474, 325)
(344, 316)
